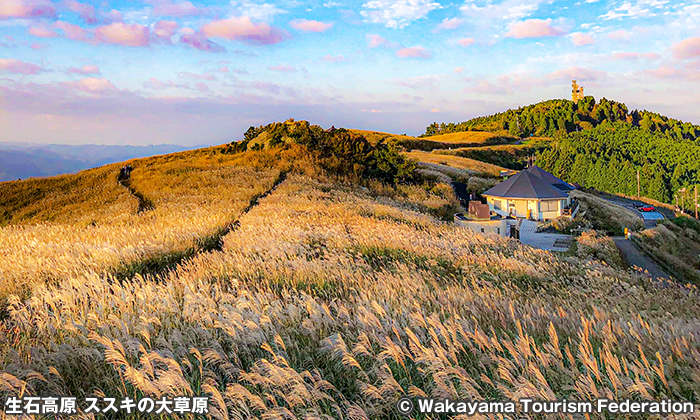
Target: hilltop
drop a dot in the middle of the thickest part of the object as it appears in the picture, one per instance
(307, 273)
(560, 116)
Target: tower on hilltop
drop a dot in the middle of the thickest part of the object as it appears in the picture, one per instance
(576, 91)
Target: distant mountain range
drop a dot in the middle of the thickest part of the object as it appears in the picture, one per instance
(24, 160)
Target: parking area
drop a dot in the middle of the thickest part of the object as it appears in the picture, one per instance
(548, 241)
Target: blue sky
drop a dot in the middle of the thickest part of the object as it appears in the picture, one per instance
(201, 72)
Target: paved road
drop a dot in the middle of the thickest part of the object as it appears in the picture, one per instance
(629, 204)
(634, 257)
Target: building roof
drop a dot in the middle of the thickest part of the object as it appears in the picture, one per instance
(525, 185)
(553, 180)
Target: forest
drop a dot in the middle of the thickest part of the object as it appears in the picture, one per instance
(559, 117)
(609, 156)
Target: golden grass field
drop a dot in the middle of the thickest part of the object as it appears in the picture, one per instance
(470, 165)
(330, 299)
(465, 137)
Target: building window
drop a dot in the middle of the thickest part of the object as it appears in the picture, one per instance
(549, 205)
(498, 230)
(482, 230)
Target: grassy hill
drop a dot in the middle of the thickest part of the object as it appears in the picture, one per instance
(559, 116)
(327, 295)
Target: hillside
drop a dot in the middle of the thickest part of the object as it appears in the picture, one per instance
(309, 275)
(19, 161)
(609, 156)
(559, 116)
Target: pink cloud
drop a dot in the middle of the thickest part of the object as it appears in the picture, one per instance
(92, 85)
(414, 52)
(38, 46)
(377, 41)
(450, 24)
(42, 31)
(335, 58)
(118, 33)
(10, 65)
(310, 25)
(165, 29)
(85, 11)
(201, 42)
(112, 16)
(244, 29)
(579, 39)
(156, 84)
(70, 31)
(202, 87)
(533, 28)
(85, 70)
(620, 35)
(282, 68)
(688, 48)
(578, 73)
(458, 69)
(666, 72)
(196, 76)
(22, 9)
(630, 56)
(169, 8)
(465, 42)
(223, 69)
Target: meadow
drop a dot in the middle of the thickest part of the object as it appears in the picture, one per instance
(70, 225)
(332, 298)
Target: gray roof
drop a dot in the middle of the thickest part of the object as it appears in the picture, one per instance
(525, 184)
(562, 185)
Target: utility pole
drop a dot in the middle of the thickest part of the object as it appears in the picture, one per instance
(638, 189)
(696, 202)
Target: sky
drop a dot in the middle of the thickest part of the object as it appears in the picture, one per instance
(201, 72)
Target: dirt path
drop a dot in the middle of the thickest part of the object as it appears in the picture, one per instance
(145, 204)
(634, 257)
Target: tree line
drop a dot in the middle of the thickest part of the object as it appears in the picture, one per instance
(608, 157)
(558, 117)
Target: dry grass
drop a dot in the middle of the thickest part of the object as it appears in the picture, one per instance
(472, 138)
(605, 216)
(195, 194)
(472, 166)
(375, 137)
(333, 300)
(676, 247)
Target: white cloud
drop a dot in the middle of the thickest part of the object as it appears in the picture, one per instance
(634, 9)
(257, 11)
(507, 10)
(397, 13)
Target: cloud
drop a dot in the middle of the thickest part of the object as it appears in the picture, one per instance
(165, 29)
(310, 25)
(334, 58)
(25, 9)
(373, 111)
(181, 9)
(578, 73)
(580, 39)
(92, 85)
(85, 11)
(133, 35)
(196, 76)
(282, 68)
(450, 24)
(533, 28)
(397, 13)
(620, 35)
(632, 56)
(42, 31)
(155, 84)
(70, 31)
(10, 65)
(458, 70)
(465, 42)
(378, 41)
(507, 10)
(257, 11)
(419, 82)
(201, 42)
(633, 9)
(414, 52)
(688, 48)
(38, 46)
(244, 29)
(85, 70)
